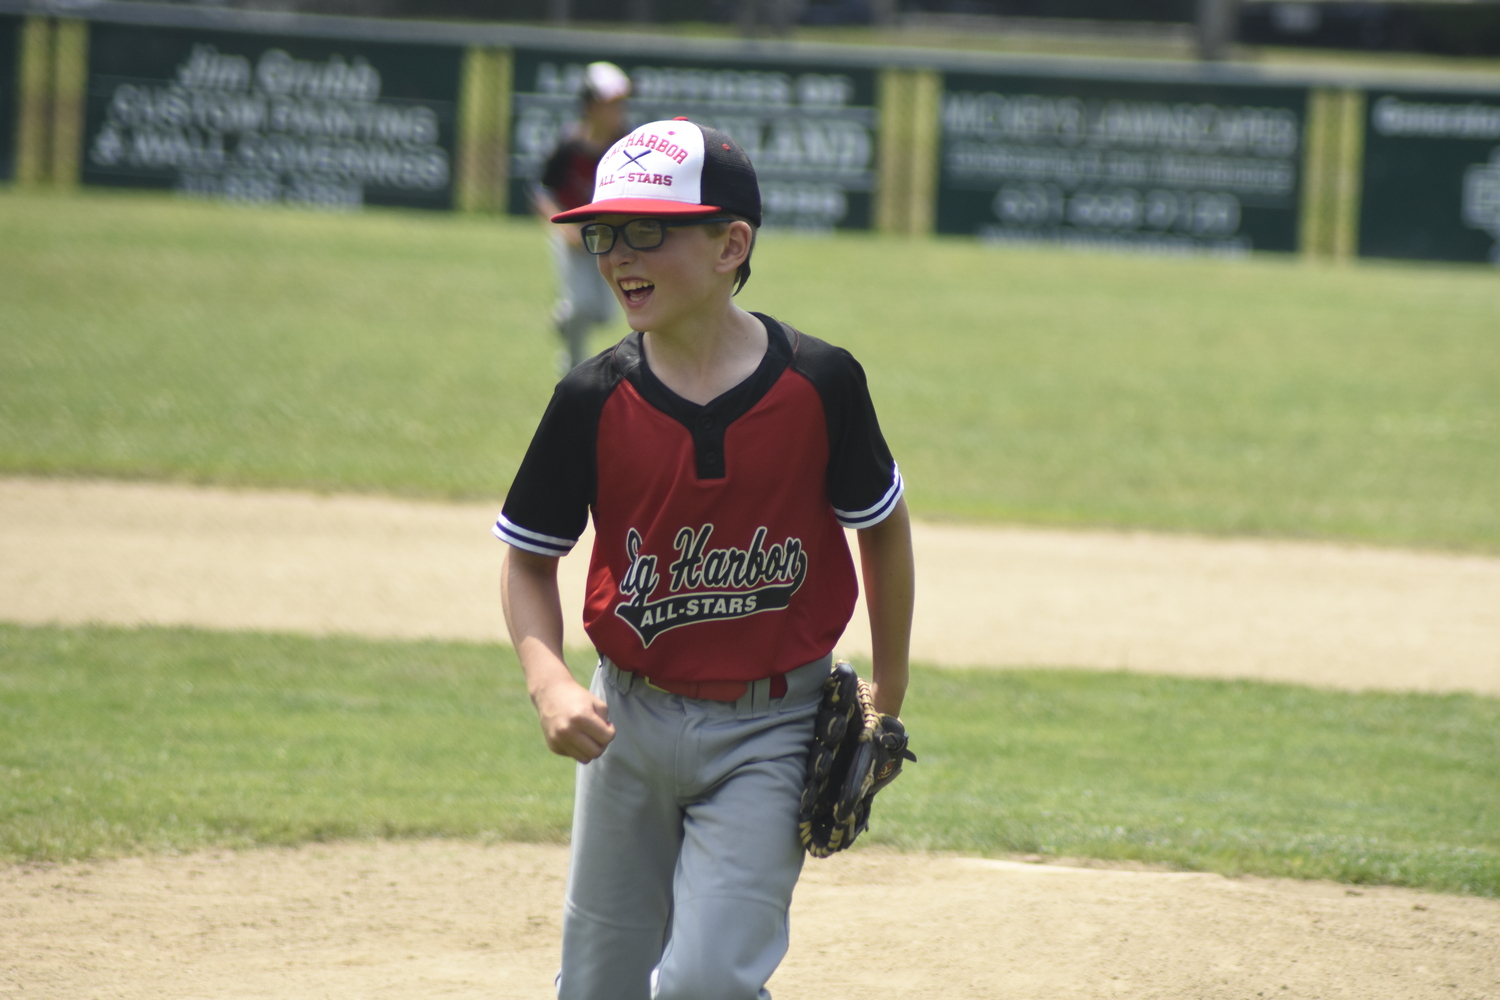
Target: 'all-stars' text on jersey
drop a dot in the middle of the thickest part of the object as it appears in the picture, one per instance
(719, 551)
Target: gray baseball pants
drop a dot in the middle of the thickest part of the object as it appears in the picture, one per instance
(685, 849)
(584, 298)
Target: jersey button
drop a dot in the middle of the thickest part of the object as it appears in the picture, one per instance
(712, 458)
(705, 422)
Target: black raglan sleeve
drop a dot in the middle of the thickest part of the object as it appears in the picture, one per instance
(864, 483)
(547, 508)
(555, 171)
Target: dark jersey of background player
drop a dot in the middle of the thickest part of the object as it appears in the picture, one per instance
(569, 173)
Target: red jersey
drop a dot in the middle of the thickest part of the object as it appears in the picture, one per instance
(569, 171)
(719, 551)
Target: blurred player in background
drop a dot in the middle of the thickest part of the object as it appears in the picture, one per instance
(584, 299)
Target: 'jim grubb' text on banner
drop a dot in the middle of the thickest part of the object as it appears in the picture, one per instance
(1431, 185)
(10, 36)
(256, 118)
(1168, 168)
(810, 132)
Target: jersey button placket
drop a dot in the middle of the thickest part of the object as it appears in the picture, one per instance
(711, 460)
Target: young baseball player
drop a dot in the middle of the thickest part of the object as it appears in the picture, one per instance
(721, 454)
(583, 300)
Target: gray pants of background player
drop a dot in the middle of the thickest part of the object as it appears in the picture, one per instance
(584, 298)
(685, 849)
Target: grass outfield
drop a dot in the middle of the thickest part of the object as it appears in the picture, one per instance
(410, 353)
(117, 741)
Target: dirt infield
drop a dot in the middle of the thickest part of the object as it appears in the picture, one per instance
(1331, 615)
(458, 919)
(447, 919)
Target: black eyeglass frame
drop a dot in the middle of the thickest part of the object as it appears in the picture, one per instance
(616, 232)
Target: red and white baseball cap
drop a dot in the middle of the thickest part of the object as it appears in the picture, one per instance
(672, 168)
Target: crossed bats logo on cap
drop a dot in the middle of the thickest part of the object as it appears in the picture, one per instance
(636, 159)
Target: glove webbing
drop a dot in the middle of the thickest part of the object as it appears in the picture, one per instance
(856, 752)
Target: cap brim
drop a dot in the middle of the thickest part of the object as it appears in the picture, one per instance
(634, 206)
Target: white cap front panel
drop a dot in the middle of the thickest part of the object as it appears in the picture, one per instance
(661, 161)
(607, 81)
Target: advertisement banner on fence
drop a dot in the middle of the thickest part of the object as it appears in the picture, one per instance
(10, 69)
(811, 133)
(1156, 167)
(1431, 187)
(257, 118)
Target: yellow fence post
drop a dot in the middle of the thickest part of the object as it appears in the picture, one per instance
(893, 182)
(907, 179)
(1312, 229)
(1348, 177)
(503, 82)
(921, 192)
(70, 69)
(1333, 166)
(476, 121)
(484, 131)
(34, 103)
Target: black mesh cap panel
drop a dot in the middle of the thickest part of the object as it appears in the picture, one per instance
(729, 176)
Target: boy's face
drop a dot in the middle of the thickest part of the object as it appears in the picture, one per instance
(690, 273)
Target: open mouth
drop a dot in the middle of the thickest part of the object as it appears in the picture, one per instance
(635, 290)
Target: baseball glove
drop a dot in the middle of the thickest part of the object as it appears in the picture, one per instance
(855, 753)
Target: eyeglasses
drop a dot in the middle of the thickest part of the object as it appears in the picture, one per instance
(640, 234)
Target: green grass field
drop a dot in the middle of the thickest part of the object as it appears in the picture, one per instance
(410, 353)
(119, 741)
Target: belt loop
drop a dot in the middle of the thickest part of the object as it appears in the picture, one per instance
(807, 680)
(756, 701)
(622, 679)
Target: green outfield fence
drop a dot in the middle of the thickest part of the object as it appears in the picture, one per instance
(1210, 158)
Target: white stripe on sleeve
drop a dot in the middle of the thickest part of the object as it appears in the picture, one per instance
(532, 541)
(873, 515)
